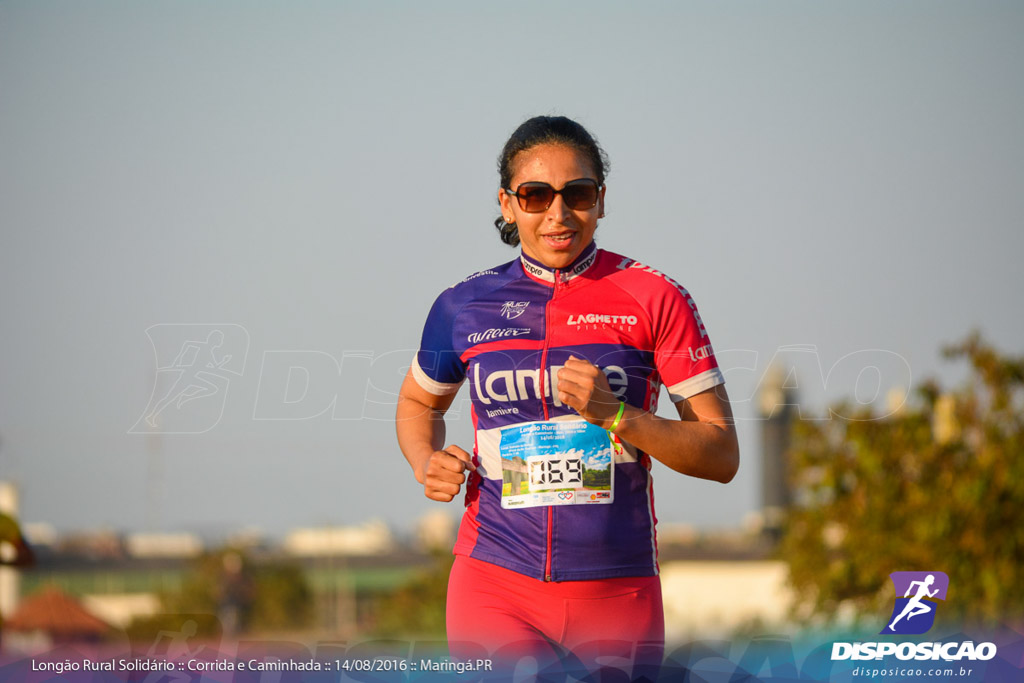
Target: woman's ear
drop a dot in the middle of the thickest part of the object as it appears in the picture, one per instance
(505, 200)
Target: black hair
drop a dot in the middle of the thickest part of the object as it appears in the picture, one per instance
(545, 130)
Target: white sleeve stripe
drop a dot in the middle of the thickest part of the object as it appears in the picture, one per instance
(696, 384)
(431, 385)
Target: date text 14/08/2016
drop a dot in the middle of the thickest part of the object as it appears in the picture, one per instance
(422, 665)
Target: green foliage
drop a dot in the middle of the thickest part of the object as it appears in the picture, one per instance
(201, 590)
(145, 632)
(418, 607)
(269, 595)
(283, 599)
(938, 485)
(597, 479)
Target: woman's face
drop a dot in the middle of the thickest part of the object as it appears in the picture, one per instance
(556, 236)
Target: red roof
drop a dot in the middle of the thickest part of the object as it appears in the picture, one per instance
(57, 613)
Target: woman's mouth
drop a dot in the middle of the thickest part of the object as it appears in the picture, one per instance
(559, 240)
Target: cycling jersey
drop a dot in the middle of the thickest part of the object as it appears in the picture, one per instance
(508, 330)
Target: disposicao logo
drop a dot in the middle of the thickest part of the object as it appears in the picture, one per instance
(917, 594)
(914, 612)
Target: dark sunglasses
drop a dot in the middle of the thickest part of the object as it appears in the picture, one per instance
(578, 195)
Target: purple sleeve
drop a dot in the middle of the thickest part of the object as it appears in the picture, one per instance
(437, 366)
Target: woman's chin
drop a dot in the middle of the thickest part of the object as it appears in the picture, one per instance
(558, 254)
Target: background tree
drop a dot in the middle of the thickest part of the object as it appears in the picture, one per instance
(939, 485)
(418, 606)
(283, 599)
(226, 593)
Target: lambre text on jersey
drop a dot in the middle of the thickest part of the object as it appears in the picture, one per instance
(522, 385)
(700, 354)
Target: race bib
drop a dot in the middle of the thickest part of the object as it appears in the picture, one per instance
(556, 463)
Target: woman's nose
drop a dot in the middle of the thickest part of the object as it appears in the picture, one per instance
(558, 211)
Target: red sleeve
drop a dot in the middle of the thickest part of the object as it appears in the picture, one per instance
(682, 353)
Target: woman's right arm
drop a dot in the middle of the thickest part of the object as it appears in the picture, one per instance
(419, 421)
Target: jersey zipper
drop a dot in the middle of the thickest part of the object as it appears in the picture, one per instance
(547, 415)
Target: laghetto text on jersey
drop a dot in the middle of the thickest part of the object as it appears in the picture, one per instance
(507, 331)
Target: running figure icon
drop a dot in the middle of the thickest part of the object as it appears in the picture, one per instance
(915, 605)
(195, 360)
(194, 367)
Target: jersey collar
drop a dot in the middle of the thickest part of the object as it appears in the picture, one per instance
(582, 263)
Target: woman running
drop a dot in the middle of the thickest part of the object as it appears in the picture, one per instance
(565, 349)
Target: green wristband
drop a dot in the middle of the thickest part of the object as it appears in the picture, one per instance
(618, 416)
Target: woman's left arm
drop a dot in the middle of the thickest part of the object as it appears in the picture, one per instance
(701, 443)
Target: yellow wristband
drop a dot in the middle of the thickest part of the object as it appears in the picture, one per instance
(615, 423)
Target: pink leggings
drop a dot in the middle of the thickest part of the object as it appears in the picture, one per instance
(608, 623)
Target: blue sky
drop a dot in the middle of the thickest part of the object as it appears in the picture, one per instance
(839, 177)
(598, 460)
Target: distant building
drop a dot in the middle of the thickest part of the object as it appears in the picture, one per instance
(371, 538)
(249, 538)
(10, 577)
(715, 598)
(777, 403)
(164, 545)
(436, 530)
(101, 543)
(714, 584)
(51, 617)
(40, 534)
(945, 426)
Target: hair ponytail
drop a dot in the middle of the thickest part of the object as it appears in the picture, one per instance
(509, 231)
